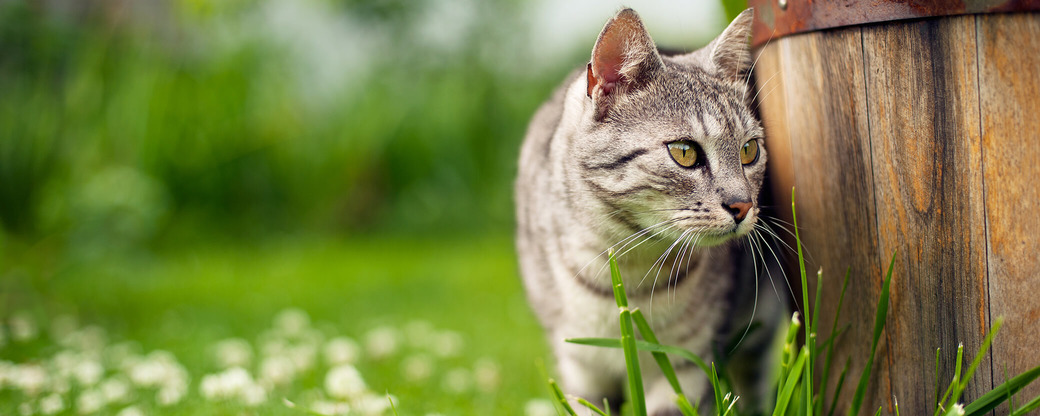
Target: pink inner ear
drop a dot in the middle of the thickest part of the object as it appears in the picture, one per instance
(608, 65)
(609, 55)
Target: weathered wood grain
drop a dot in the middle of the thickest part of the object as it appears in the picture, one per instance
(825, 108)
(924, 132)
(1009, 78)
(770, 97)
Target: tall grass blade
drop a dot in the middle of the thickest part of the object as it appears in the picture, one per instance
(660, 357)
(879, 325)
(628, 342)
(715, 388)
(591, 407)
(831, 340)
(994, 397)
(838, 386)
(790, 382)
(937, 378)
(801, 258)
(975, 362)
(644, 346)
(561, 400)
(1029, 407)
(946, 405)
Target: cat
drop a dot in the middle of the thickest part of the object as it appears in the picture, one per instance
(660, 158)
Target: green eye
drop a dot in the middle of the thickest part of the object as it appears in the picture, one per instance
(685, 153)
(749, 152)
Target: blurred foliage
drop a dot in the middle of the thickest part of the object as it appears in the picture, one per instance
(119, 130)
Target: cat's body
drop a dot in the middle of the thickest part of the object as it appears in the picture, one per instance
(659, 158)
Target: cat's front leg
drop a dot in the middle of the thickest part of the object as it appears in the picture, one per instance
(583, 374)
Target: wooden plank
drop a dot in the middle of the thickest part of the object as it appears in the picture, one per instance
(924, 132)
(825, 108)
(1009, 81)
(770, 97)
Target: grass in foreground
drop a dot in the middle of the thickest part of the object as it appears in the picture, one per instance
(796, 394)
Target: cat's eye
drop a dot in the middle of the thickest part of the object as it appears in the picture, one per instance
(686, 153)
(749, 152)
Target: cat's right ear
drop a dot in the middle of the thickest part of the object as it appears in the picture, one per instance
(623, 59)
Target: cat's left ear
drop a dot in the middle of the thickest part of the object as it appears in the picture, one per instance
(623, 59)
(731, 51)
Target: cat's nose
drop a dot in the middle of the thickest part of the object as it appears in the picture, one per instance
(739, 209)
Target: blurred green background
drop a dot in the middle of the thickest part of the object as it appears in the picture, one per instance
(178, 172)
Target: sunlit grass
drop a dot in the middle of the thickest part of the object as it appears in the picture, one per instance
(292, 326)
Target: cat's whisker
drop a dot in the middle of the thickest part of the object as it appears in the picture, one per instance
(750, 72)
(780, 224)
(757, 93)
(788, 283)
(754, 306)
(771, 233)
(758, 243)
(661, 260)
(669, 227)
(624, 243)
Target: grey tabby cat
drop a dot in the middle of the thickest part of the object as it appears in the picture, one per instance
(661, 158)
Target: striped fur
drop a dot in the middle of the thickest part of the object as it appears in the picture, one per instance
(595, 173)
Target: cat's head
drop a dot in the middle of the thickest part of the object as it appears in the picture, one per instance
(670, 143)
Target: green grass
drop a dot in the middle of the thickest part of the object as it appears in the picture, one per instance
(184, 299)
(796, 394)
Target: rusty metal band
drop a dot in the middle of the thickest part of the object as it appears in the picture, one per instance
(778, 18)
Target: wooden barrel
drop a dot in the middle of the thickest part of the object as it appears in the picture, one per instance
(915, 130)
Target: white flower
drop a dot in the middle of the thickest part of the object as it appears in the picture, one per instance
(373, 404)
(447, 344)
(277, 371)
(233, 383)
(226, 384)
(115, 390)
(292, 321)
(52, 404)
(171, 394)
(29, 378)
(417, 368)
(458, 380)
(130, 411)
(88, 372)
(7, 373)
(341, 350)
(90, 401)
(330, 408)
(233, 352)
(344, 382)
(253, 395)
(303, 356)
(158, 369)
(539, 407)
(382, 342)
(23, 327)
(486, 373)
(25, 409)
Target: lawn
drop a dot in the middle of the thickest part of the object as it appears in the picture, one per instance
(440, 324)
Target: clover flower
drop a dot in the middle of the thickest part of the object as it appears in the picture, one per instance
(344, 382)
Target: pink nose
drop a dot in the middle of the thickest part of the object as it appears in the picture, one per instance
(739, 210)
